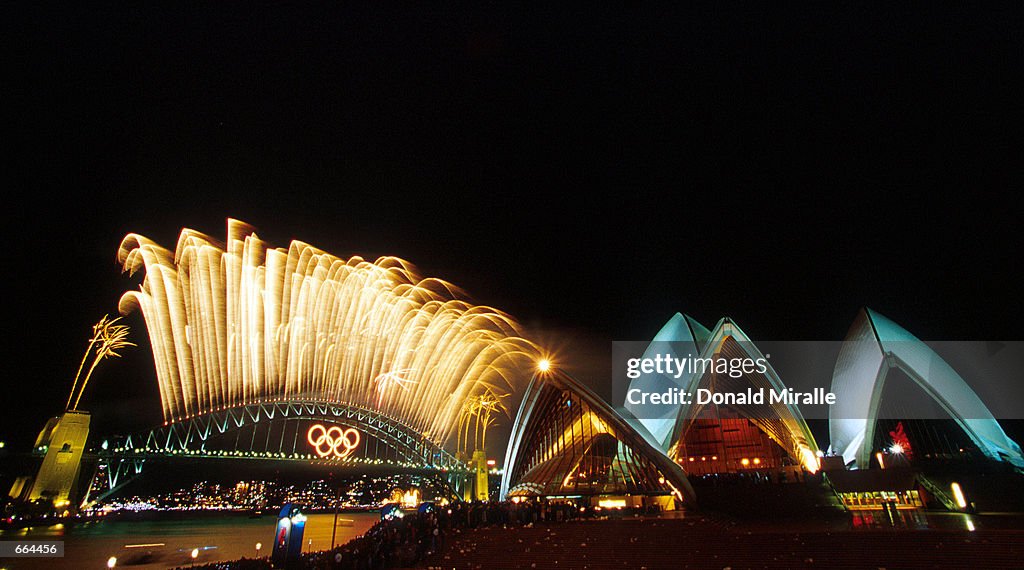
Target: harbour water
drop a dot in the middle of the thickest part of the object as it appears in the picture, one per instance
(168, 543)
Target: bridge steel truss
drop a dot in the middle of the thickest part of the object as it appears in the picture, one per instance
(389, 441)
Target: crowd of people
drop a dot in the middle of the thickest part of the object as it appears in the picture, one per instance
(407, 538)
(405, 541)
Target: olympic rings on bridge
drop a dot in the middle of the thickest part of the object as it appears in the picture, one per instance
(333, 441)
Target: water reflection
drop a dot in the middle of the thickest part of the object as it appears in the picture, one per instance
(916, 519)
(163, 543)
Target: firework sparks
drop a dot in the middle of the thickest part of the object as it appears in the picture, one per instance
(393, 378)
(107, 338)
(240, 322)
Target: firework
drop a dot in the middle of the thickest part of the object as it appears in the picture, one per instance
(239, 322)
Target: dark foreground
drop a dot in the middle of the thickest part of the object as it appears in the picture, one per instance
(700, 543)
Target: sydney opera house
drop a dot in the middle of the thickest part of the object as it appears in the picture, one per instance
(567, 443)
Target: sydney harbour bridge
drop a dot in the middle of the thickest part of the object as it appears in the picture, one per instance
(293, 354)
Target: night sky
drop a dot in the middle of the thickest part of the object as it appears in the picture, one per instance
(589, 172)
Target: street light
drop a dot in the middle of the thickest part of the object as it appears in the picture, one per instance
(111, 562)
(195, 554)
(259, 545)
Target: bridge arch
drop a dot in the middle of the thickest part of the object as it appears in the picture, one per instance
(279, 431)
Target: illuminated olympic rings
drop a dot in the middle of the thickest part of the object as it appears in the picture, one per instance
(333, 441)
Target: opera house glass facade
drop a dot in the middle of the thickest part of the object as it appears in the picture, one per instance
(567, 442)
